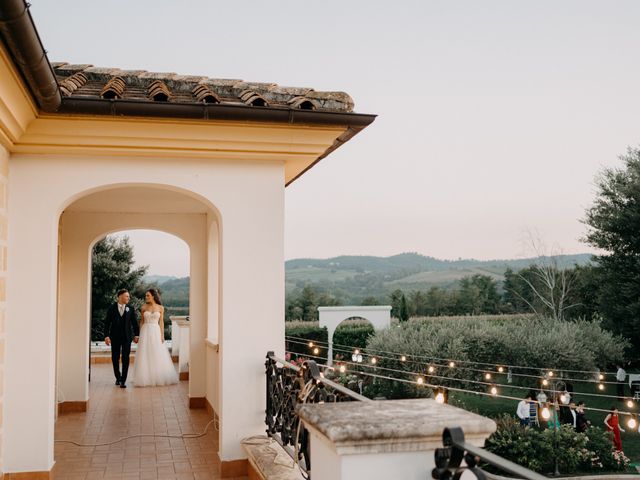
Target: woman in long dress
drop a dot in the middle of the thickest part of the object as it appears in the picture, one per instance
(153, 364)
(613, 425)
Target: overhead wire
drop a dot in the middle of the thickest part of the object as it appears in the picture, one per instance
(458, 379)
(465, 361)
(463, 390)
(408, 359)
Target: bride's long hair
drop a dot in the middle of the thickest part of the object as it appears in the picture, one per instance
(156, 295)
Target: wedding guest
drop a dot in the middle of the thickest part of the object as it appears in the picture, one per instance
(613, 425)
(581, 418)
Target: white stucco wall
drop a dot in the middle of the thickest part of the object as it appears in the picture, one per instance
(248, 200)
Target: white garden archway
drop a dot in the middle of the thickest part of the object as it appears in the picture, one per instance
(379, 316)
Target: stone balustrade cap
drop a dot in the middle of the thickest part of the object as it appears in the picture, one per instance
(359, 308)
(388, 421)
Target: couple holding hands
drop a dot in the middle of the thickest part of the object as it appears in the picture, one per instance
(153, 365)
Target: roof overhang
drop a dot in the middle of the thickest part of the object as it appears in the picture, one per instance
(36, 118)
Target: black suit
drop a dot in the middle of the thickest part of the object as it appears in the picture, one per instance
(121, 330)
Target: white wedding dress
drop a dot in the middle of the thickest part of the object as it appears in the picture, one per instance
(153, 365)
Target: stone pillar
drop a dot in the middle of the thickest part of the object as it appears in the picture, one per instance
(184, 341)
(383, 439)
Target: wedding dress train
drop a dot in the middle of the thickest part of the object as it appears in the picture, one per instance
(153, 365)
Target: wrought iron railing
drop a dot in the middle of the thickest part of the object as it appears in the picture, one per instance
(289, 385)
(449, 460)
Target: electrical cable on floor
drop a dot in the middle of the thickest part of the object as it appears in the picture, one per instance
(140, 435)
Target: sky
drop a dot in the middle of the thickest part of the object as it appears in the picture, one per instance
(494, 117)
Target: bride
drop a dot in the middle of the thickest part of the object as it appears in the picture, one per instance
(153, 364)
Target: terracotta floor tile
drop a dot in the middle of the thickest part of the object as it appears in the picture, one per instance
(115, 413)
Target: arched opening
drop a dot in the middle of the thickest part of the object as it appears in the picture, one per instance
(378, 317)
(152, 209)
(88, 219)
(137, 260)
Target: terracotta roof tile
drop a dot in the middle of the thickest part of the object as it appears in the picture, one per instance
(84, 80)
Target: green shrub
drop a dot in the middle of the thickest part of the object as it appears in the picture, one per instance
(538, 450)
(355, 335)
(310, 332)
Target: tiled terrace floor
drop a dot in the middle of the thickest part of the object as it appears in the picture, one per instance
(115, 412)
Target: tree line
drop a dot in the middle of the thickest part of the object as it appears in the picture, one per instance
(472, 295)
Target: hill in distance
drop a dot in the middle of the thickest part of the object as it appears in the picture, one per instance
(356, 276)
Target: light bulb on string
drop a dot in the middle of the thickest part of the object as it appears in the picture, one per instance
(550, 374)
(494, 390)
(545, 382)
(356, 351)
(403, 358)
(601, 377)
(343, 369)
(564, 398)
(316, 351)
(374, 360)
(632, 423)
(431, 369)
(420, 380)
(546, 414)
(630, 403)
(600, 387)
(487, 376)
(440, 397)
(452, 364)
(310, 344)
(500, 369)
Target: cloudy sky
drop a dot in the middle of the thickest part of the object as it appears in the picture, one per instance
(494, 116)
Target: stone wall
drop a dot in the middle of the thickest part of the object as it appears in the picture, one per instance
(4, 173)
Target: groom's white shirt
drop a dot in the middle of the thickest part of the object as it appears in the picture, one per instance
(121, 308)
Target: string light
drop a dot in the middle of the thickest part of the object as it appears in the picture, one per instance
(545, 382)
(494, 391)
(290, 337)
(630, 403)
(316, 351)
(440, 397)
(550, 374)
(403, 358)
(374, 360)
(310, 344)
(403, 372)
(475, 392)
(420, 380)
(601, 377)
(452, 364)
(356, 351)
(632, 423)
(600, 387)
(431, 369)
(487, 376)
(500, 369)
(546, 414)
(343, 368)
(564, 398)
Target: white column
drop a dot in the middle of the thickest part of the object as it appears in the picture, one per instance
(74, 315)
(383, 439)
(30, 402)
(252, 302)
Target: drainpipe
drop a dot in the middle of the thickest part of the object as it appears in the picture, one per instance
(23, 42)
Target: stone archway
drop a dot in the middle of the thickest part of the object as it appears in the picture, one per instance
(331, 317)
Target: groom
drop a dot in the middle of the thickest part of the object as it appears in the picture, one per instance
(120, 327)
